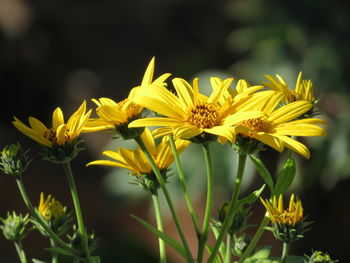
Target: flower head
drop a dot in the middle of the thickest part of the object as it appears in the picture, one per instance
(13, 160)
(50, 208)
(278, 124)
(117, 115)
(54, 214)
(60, 140)
(190, 114)
(136, 161)
(15, 227)
(288, 223)
(303, 88)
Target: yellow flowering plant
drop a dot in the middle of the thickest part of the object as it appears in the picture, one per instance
(248, 118)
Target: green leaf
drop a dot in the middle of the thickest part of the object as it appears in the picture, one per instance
(167, 239)
(263, 252)
(60, 251)
(262, 170)
(250, 199)
(285, 177)
(37, 261)
(217, 258)
(96, 259)
(290, 259)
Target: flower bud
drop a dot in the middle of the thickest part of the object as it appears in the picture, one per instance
(240, 244)
(320, 257)
(15, 227)
(75, 240)
(13, 160)
(54, 214)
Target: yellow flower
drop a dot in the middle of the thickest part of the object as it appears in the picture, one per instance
(278, 124)
(60, 133)
(190, 113)
(49, 208)
(113, 115)
(284, 216)
(136, 161)
(303, 88)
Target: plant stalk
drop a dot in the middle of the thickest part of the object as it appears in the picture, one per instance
(285, 250)
(228, 255)
(54, 254)
(20, 251)
(255, 239)
(184, 185)
(160, 227)
(167, 197)
(232, 207)
(209, 203)
(78, 213)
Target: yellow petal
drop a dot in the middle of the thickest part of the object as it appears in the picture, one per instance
(61, 134)
(223, 131)
(290, 111)
(302, 129)
(184, 92)
(241, 116)
(186, 131)
(269, 140)
(33, 134)
(164, 107)
(148, 76)
(57, 118)
(295, 146)
(37, 125)
(149, 142)
(145, 122)
(219, 91)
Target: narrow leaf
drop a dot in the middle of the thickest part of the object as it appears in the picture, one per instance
(60, 251)
(167, 239)
(37, 261)
(285, 177)
(250, 199)
(262, 170)
(222, 248)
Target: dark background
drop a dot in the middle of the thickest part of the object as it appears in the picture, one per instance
(59, 53)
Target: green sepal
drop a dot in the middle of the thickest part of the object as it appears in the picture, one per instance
(60, 251)
(166, 238)
(285, 177)
(217, 258)
(263, 172)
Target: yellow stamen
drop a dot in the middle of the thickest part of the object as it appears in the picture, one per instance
(204, 115)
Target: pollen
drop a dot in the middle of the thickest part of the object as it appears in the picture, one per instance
(256, 125)
(204, 115)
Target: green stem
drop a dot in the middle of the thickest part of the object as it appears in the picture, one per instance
(205, 229)
(38, 218)
(184, 185)
(20, 251)
(285, 252)
(54, 254)
(228, 249)
(162, 252)
(255, 239)
(231, 209)
(167, 197)
(78, 213)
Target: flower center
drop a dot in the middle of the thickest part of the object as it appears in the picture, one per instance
(204, 115)
(50, 134)
(287, 217)
(256, 125)
(294, 95)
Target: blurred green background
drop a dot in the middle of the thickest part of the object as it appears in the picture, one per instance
(59, 53)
